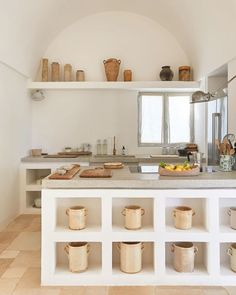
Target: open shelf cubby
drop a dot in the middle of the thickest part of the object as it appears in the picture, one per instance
(199, 220)
(200, 260)
(147, 260)
(34, 176)
(93, 219)
(30, 197)
(94, 261)
(225, 268)
(118, 220)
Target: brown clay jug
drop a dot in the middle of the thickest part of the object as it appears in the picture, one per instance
(112, 67)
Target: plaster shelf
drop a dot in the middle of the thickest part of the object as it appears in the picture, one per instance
(155, 86)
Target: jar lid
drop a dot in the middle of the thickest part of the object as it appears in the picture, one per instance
(184, 68)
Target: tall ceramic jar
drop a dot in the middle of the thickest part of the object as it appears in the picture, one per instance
(112, 67)
(166, 74)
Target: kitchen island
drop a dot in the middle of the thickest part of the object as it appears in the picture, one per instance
(209, 194)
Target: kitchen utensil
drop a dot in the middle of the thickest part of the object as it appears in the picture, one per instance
(77, 217)
(183, 217)
(117, 165)
(98, 172)
(130, 256)
(133, 217)
(192, 172)
(184, 253)
(232, 214)
(68, 175)
(232, 253)
(112, 67)
(78, 256)
(230, 138)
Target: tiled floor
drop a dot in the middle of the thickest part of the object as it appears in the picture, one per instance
(20, 268)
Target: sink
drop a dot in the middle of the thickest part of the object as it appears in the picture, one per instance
(154, 169)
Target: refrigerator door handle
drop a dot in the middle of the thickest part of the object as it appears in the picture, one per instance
(216, 134)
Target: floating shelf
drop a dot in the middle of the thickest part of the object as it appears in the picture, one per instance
(178, 86)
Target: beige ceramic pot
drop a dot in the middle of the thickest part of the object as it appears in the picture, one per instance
(133, 217)
(130, 256)
(78, 256)
(183, 217)
(232, 253)
(77, 217)
(184, 253)
(232, 215)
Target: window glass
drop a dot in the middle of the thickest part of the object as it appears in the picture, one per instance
(151, 122)
(179, 119)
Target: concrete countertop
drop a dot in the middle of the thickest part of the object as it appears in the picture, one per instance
(123, 178)
(108, 158)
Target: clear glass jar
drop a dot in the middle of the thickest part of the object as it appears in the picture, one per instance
(104, 147)
(99, 147)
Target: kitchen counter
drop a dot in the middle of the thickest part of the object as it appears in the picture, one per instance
(108, 158)
(123, 178)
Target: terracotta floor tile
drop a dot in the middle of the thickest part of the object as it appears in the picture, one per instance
(132, 290)
(4, 264)
(30, 279)
(14, 272)
(7, 237)
(215, 291)
(7, 285)
(9, 254)
(84, 291)
(27, 259)
(26, 241)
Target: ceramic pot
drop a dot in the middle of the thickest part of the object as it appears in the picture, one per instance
(184, 253)
(232, 253)
(183, 217)
(232, 215)
(133, 217)
(226, 163)
(78, 256)
(166, 74)
(130, 256)
(112, 67)
(77, 217)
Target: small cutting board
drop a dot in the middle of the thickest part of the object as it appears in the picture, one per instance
(96, 173)
(69, 174)
(114, 165)
(75, 153)
(61, 156)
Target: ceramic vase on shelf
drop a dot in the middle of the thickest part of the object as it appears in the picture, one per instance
(112, 67)
(166, 74)
(226, 163)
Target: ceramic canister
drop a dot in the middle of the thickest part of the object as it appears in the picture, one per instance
(130, 256)
(183, 217)
(232, 214)
(78, 256)
(77, 217)
(184, 253)
(232, 253)
(226, 163)
(133, 217)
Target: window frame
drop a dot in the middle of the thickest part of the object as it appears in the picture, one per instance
(165, 119)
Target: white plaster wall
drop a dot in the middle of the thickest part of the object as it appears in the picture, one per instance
(15, 123)
(71, 118)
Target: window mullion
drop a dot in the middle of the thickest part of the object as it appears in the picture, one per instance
(166, 119)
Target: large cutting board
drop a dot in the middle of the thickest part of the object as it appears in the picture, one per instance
(75, 153)
(69, 174)
(60, 156)
(96, 173)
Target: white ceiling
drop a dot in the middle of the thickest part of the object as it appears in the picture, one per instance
(204, 28)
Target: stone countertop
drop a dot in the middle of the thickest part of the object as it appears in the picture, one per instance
(123, 178)
(108, 158)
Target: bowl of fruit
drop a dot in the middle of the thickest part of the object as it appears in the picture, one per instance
(184, 169)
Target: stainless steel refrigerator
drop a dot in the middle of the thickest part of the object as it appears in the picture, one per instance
(217, 126)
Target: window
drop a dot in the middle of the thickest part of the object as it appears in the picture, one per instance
(165, 119)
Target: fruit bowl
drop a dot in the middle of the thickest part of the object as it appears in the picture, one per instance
(179, 170)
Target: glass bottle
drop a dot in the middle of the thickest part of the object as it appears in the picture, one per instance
(104, 147)
(99, 147)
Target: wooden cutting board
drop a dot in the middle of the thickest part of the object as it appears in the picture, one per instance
(113, 165)
(69, 174)
(61, 156)
(96, 173)
(76, 153)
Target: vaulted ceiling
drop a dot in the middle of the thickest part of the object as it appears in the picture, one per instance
(205, 29)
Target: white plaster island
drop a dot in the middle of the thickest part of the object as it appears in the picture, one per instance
(209, 194)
